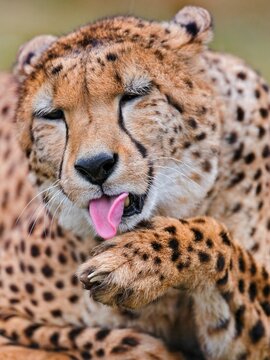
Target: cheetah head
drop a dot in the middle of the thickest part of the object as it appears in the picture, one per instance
(119, 121)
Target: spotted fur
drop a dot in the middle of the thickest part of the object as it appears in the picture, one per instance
(190, 128)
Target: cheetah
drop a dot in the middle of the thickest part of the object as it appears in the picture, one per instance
(142, 174)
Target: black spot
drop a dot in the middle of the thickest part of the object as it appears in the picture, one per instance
(130, 341)
(199, 221)
(192, 123)
(257, 93)
(47, 271)
(102, 334)
(48, 296)
(89, 41)
(35, 252)
(252, 291)
(237, 179)
(145, 224)
(209, 243)
(156, 246)
(56, 313)
(241, 264)
(29, 288)
(266, 151)
(249, 158)
(265, 88)
(173, 243)
(190, 248)
(189, 83)
(118, 78)
(268, 224)
(157, 260)
(85, 355)
(239, 319)
(100, 353)
(238, 152)
(111, 57)
(28, 58)
(192, 28)
(257, 332)
(198, 236)
(30, 330)
(241, 286)
(88, 345)
(225, 238)
(75, 332)
(62, 258)
(170, 229)
(266, 307)
(265, 273)
(73, 298)
(240, 114)
(201, 136)
(14, 336)
(9, 270)
(182, 265)
(145, 257)
(227, 296)
(203, 256)
(224, 279)
(59, 284)
(57, 69)
(232, 138)
(266, 290)
(242, 356)
(264, 113)
(237, 207)
(261, 131)
(241, 75)
(220, 262)
(253, 269)
(206, 166)
(159, 55)
(14, 288)
(54, 339)
(258, 189)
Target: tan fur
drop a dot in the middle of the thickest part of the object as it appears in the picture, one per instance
(205, 127)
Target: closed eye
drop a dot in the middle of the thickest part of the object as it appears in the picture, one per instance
(129, 97)
(56, 114)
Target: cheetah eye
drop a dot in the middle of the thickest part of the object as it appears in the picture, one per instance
(56, 114)
(127, 97)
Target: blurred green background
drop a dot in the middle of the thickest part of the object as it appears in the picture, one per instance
(242, 27)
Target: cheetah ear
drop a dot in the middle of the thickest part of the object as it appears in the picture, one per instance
(197, 23)
(29, 54)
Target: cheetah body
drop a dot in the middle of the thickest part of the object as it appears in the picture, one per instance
(225, 148)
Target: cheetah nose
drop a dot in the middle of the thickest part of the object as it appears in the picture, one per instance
(97, 168)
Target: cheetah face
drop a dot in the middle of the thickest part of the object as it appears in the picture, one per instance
(119, 123)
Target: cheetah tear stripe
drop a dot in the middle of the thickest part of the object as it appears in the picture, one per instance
(106, 214)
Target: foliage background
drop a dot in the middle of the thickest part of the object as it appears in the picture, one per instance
(242, 27)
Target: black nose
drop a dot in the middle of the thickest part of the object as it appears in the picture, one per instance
(98, 168)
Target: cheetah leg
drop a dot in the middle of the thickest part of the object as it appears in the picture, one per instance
(230, 291)
(81, 342)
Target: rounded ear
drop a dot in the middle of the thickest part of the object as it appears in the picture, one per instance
(29, 54)
(197, 23)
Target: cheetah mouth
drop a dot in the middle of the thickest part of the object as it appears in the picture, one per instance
(133, 205)
(107, 212)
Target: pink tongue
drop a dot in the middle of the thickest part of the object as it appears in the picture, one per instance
(106, 214)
